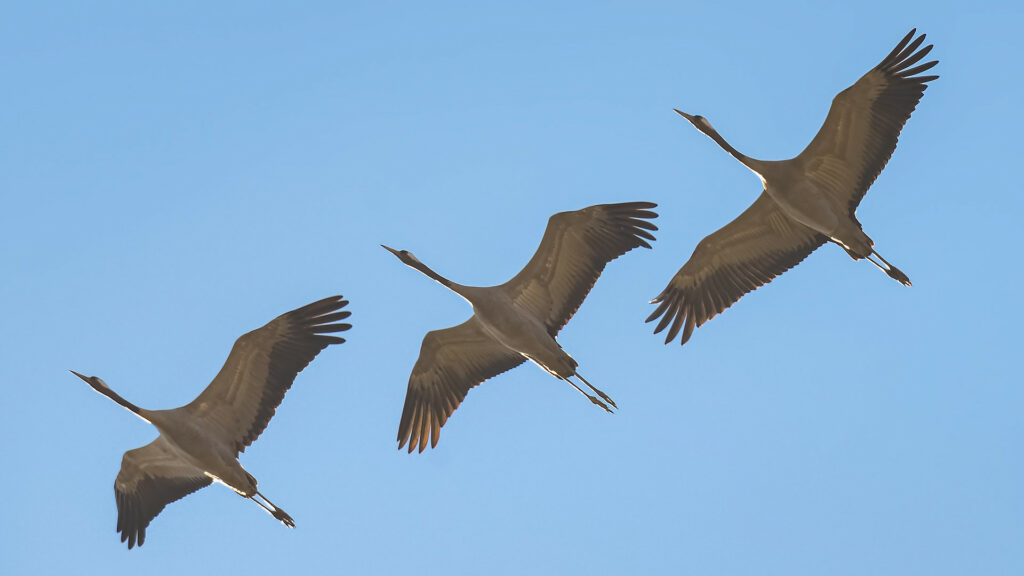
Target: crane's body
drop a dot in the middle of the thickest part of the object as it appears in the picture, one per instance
(207, 450)
(514, 327)
(505, 321)
(518, 320)
(199, 443)
(802, 190)
(807, 200)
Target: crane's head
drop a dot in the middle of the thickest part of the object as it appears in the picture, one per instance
(408, 258)
(96, 382)
(699, 122)
(100, 386)
(411, 261)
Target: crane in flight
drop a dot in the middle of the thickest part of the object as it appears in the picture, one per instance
(807, 200)
(518, 320)
(200, 442)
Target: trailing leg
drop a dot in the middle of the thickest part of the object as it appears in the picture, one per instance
(893, 272)
(589, 397)
(596, 390)
(858, 245)
(273, 510)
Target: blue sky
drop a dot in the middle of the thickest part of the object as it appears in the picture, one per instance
(173, 177)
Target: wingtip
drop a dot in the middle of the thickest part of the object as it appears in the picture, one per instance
(408, 445)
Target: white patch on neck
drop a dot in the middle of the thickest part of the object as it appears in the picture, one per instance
(764, 182)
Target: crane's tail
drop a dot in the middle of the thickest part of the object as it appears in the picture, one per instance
(273, 510)
(893, 272)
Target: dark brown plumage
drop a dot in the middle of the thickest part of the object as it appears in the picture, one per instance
(151, 477)
(808, 200)
(262, 366)
(527, 312)
(225, 418)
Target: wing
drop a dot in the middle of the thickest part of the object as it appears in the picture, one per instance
(262, 365)
(451, 362)
(864, 123)
(748, 252)
(151, 477)
(573, 253)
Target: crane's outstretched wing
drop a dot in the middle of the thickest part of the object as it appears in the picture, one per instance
(864, 123)
(451, 362)
(262, 365)
(748, 252)
(151, 477)
(574, 251)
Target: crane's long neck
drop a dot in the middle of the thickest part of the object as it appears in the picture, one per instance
(453, 286)
(714, 135)
(755, 166)
(106, 391)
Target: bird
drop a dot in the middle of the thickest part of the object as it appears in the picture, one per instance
(518, 320)
(807, 200)
(199, 442)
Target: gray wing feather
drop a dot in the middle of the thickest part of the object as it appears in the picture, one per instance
(451, 361)
(151, 477)
(864, 123)
(262, 366)
(747, 253)
(574, 251)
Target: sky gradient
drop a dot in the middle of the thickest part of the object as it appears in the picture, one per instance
(173, 177)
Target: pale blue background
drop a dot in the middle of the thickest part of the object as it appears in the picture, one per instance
(173, 177)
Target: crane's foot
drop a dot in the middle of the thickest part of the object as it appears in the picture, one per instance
(599, 403)
(892, 271)
(604, 396)
(898, 275)
(274, 511)
(283, 517)
(589, 397)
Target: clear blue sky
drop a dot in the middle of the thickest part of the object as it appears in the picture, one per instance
(173, 177)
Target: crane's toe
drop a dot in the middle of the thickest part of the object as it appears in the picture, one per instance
(898, 275)
(601, 404)
(283, 517)
(606, 398)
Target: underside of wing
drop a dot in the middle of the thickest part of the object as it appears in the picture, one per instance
(262, 366)
(574, 251)
(747, 253)
(864, 123)
(151, 477)
(451, 362)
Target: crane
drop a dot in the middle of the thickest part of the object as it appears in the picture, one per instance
(200, 442)
(807, 200)
(518, 320)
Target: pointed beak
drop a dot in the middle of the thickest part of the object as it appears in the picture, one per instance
(79, 375)
(389, 249)
(684, 115)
